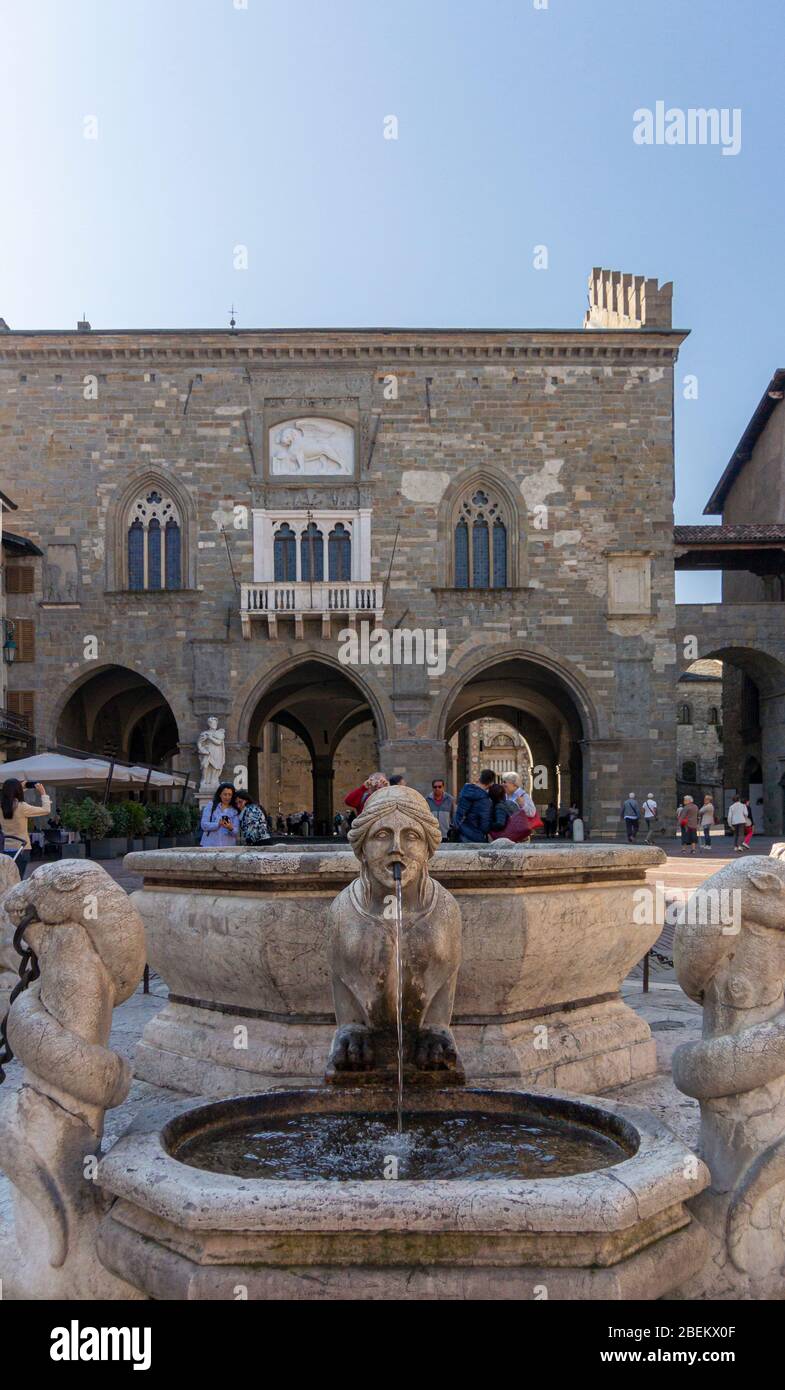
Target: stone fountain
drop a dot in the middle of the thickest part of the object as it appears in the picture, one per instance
(309, 1192)
(548, 936)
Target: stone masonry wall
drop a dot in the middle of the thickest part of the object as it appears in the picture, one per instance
(578, 422)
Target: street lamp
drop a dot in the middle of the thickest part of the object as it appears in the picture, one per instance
(9, 645)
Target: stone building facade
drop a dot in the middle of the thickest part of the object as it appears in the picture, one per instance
(699, 731)
(221, 514)
(750, 542)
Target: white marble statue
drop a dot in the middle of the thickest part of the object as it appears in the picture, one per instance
(312, 446)
(212, 755)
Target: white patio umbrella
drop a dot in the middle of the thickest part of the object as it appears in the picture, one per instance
(56, 769)
(157, 779)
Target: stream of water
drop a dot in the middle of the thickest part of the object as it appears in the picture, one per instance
(399, 988)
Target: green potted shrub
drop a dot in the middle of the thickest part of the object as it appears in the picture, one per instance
(153, 826)
(137, 822)
(160, 815)
(71, 816)
(179, 822)
(97, 827)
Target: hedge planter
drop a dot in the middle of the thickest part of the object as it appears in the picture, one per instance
(109, 848)
(150, 842)
(75, 851)
(166, 842)
(135, 844)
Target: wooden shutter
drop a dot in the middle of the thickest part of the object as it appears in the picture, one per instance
(24, 634)
(22, 703)
(19, 579)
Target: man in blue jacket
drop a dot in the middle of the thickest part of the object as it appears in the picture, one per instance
(474, 809)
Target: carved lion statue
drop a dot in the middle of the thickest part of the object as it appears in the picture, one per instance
(731, 959)
(395, 828)
(89, 942)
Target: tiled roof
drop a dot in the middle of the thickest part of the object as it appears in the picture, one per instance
(729, 535)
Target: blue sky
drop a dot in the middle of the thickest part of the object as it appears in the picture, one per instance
(262, 126)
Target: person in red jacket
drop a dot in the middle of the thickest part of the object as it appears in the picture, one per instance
(359, 796)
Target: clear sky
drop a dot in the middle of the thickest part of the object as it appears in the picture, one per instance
(260, 123)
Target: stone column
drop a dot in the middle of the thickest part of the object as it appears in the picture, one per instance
(237, 755)
(323, 775)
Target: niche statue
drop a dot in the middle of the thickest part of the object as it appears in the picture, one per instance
(395, 827)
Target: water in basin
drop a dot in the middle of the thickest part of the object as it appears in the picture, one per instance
(438, 1145)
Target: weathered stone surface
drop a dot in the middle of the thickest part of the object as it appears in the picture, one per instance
(737, 1072)
(181, 1232)
(547, 939)
(9, 959)
(373, 955)
(580, 423)
(89, 943)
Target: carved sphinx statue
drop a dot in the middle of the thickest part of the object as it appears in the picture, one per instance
(89, 943)
(395, 827)
(735, 968)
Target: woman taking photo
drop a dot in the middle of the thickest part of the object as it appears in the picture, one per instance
(15, 812)
(220, 822)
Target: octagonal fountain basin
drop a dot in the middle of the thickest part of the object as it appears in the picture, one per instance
(293, 1195)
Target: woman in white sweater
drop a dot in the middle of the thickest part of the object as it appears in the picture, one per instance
(15, 813)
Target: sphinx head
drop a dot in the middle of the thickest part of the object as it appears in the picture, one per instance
(395, 827)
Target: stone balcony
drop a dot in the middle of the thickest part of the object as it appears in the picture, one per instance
(275, 600)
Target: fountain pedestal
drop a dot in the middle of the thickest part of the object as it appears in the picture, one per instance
(548, 936)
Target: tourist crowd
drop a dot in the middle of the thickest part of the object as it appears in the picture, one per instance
(692, 821)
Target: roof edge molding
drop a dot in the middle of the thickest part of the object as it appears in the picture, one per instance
(765, 408)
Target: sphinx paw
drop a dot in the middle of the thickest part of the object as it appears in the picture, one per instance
(352, 1049)
(435, 1050)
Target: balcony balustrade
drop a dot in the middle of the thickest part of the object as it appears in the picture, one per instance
(277, 599)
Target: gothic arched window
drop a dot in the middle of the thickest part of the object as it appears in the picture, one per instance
(312, 553)
(339, 553)
(285, 553)
(685, 714)
(154, 543)
(480, 543)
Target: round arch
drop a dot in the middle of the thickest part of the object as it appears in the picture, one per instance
(321, 701)
(116, 705)
(560, 674)
(255, 691)
(541, 698)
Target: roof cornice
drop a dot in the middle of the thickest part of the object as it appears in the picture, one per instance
(758, 420)
(342, 347)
